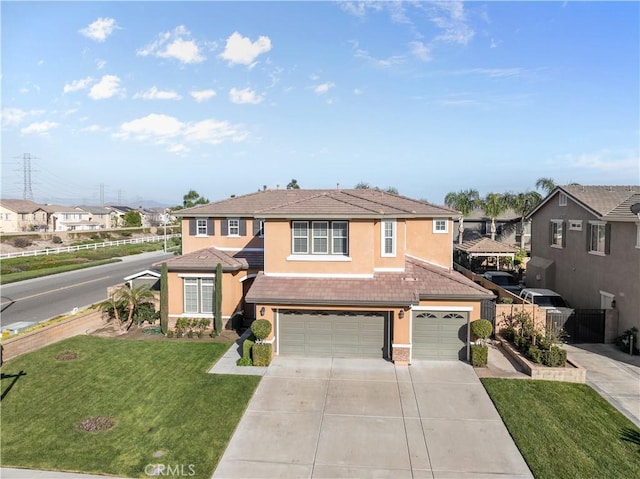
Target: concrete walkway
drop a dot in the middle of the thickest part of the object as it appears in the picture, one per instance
(368, 418)
(613, 374)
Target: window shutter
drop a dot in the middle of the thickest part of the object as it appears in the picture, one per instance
(607, 238)
(192, 227)
(564, 234)
(550, 232)
(243, 227)
(589, 227)
(224, 227)
(211, 229)
(256, 227)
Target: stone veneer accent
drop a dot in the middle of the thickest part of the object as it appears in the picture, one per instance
(82, 323)
(573, 374)
(400, 355)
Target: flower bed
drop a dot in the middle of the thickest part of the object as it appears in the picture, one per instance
(571, 372)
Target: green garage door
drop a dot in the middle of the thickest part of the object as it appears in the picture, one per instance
(332, 334)
(439, 335)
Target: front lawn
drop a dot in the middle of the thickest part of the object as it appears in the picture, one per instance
(566, 430)
(165, 408)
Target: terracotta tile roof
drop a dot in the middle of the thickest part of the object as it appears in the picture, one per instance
(20, 206)
(61, 209)
(336, 202)
(255, 259)
(419, 280)
(204, 260)
(485, 245)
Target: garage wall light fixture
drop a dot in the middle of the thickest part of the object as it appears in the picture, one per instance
(262, 310)
(401, 314)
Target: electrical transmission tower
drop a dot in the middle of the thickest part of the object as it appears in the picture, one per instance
(27, 192)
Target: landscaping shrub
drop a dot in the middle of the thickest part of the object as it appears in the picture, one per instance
(21, 242)
(56, 240)
(261, 328)
(145, 312)
(535, 354)
(506, 300)
(262, 353)
(479, 355)
(247, 345)
(243, 362)
(169, 334)
(482, 329)
(555, 357)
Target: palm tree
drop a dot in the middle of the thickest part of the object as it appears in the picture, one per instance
(546, 184)
(112, 306)
(133, 297)
(523, 203)
(494, 204)
(464, 201)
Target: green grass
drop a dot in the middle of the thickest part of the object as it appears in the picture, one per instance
(566, 430)
(158, 392)
(37, 273)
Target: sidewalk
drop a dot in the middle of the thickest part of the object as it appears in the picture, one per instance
(14, 473)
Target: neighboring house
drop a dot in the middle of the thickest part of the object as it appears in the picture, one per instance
(586, 246)
(508, 227)
(21, 215)
(68, 218)
(117, 214)
(337, 272)
(97, 214)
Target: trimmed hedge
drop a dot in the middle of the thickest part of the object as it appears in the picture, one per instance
(479, 355)
(262, 353)
(481, 328)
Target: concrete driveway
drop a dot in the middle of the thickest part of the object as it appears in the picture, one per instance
(313, 418)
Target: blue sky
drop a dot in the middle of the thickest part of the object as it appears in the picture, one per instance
(147, 100)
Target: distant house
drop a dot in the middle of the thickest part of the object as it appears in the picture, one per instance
(586, 246)
(341, 273)
(21, 215)
(508, 227)
(117, 214)
(68, 218)
(97, 214)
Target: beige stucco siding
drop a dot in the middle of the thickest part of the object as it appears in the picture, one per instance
(423, 243)
(192, 243)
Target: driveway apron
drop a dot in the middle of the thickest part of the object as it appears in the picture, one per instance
(331, 418)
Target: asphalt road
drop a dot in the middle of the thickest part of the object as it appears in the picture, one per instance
(39, 299)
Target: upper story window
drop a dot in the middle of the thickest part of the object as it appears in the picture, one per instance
(575, 225)
(599, 237)
(319, 237)
(562, 199)
(388, 238)
(557, 237)
(201, 227)
(258, 228)
(440, 226)
(234, 227)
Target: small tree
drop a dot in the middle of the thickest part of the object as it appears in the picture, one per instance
(218, 305)
(133, 298)
(261, 328)
(132, 219)
(112, 307)
(164, 299)
(293, 185)
(482, 329)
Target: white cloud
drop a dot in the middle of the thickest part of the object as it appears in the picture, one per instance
(242, 51)
(93, 128)
(389, 62)
(15, 116)
(451, 18)
(491, 72)
(167, 130)
(420, 51)
(108, 86)
(246, 95)
(202, 95)
(76, 85)
(154, 94)
(100, 29)
(605, 160)
(100, 64)
(323, 88)
(358, 91)
(41, 128)
(177, 45)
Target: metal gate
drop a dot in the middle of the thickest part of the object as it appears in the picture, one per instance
(583, 326)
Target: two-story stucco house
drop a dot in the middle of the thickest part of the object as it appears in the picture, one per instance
(585, 245)
(21, 215)
(337, 272)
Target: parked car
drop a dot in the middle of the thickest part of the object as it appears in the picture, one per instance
(548, 300)
(504, 280)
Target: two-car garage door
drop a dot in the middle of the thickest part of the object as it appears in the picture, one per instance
(332, 334)
(439, 335)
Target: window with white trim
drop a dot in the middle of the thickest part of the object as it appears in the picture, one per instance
(562, 199)
(201, 227)
(198, 295)
(575, 225)
(388, 238)
(233, 227)
(597, 243)
(556, 233)
(440, 226)
(320, 237)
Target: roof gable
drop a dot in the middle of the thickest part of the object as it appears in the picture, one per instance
(20, 206)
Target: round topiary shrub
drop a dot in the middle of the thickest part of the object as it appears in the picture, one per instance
(482, 329)
(261, 328)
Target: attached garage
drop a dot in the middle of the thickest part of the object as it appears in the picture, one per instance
(332, 334)
(440, 335)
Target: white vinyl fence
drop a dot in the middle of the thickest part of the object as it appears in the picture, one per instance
(69, 249)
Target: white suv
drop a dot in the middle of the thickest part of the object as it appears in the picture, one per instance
(548, 300)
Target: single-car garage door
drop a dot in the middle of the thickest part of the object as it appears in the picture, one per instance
(331, 334)
(439, 335)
